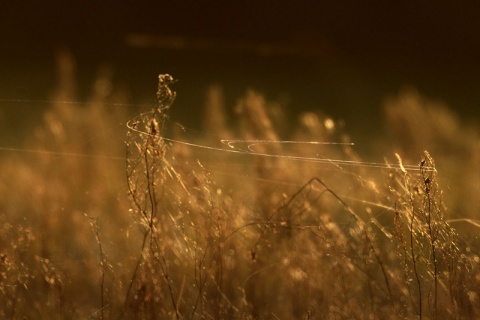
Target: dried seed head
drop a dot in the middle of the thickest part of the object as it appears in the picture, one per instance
(165, 95)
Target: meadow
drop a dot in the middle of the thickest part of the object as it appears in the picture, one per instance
(109, 215)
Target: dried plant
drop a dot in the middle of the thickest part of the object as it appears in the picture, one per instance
(250, 220)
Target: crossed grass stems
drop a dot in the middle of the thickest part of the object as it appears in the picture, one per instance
(251, 234)
(192, 238)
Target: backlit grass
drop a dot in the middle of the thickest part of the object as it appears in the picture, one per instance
(249, 219)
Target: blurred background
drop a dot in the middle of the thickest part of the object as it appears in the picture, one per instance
(343, 58)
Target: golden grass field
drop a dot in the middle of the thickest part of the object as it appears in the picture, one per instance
(108, 216)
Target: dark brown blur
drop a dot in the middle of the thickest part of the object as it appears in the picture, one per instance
(341, 58)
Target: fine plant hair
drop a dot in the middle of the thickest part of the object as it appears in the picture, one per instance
(147, 170)
(419, 123)
(253, 218)
(184, 224)
(434, 265)
(278, 241)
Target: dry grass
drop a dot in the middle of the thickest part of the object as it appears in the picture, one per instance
(253, 229)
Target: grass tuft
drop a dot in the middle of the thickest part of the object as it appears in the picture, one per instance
(254, 219)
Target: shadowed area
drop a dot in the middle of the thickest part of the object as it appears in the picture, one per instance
(341, 59)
